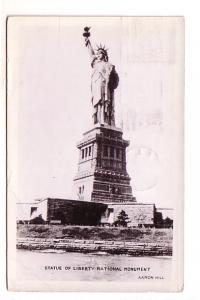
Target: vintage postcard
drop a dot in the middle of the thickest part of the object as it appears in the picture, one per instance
(95, 153)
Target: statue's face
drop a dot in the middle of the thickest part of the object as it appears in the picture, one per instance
(100, 55)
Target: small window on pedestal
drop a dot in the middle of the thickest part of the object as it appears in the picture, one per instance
(118, 153)
(82, 153)
(105, 151)
(90, 150)
(112, 151)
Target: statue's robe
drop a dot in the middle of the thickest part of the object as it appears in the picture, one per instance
(104, 81)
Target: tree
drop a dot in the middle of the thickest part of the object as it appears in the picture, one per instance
(122, 219)
(37, 220)
(168, 223)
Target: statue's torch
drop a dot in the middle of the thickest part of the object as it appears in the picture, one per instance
(86, 35)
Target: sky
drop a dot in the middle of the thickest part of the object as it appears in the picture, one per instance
(49, 102)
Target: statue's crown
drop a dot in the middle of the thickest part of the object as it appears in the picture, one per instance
(102, 48)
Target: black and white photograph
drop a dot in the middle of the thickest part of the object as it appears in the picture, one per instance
(95, 153)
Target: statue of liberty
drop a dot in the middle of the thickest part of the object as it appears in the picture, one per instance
(104, 81)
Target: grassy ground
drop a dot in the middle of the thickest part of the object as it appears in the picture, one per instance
(95, 233)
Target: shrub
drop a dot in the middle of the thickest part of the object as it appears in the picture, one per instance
(39, 229)
(37, 220)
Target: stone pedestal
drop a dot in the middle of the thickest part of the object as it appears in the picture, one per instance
(102, 175)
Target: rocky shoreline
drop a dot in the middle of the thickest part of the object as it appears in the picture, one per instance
(87, 246)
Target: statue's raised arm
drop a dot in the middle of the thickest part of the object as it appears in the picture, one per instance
(104, 81)
(86, 34)
(89, 46)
